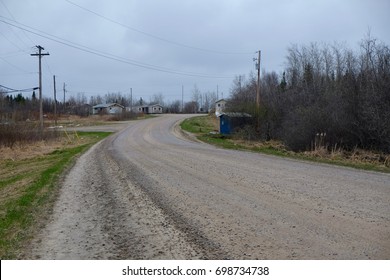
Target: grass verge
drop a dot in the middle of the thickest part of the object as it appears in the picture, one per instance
(28, 188)
(205, 129)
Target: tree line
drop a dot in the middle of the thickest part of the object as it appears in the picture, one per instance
(331, 92)
(17, 107)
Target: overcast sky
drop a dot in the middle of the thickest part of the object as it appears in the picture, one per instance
(157, 46)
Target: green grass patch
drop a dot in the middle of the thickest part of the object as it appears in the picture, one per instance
(203, 124)
(26, 196)
(204, 128)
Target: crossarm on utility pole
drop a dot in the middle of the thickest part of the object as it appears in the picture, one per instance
(40, 54)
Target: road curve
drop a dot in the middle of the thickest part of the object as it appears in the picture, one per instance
(147, 193)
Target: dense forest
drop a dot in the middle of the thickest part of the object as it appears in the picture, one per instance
(327, 93)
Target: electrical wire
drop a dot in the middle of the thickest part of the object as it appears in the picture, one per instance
(105, 54)
(16, 67)
(155, 36)
(11, 90)
(16, 34)
(46, 64)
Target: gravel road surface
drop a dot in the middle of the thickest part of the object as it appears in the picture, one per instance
(147, 192)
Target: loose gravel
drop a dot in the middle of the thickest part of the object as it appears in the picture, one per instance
(147, 192)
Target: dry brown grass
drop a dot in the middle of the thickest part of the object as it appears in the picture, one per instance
(20, 162)
(356, 157)
(28, 173)
(277, 145)
(359, 156)
(22, 150)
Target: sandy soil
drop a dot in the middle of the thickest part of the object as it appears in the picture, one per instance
(147, 192)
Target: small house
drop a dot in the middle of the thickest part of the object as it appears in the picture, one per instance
(107, 108)
(220, 107)
(148, 109)
(230, 122)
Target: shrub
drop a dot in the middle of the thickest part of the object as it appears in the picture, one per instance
(23, 133)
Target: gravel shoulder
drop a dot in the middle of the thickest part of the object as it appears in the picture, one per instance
(147, 192)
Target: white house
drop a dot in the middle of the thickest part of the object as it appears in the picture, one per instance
(148, 109)
(107, 108)
(220, 106)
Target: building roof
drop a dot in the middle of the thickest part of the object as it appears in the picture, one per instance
(106, 105)
(144, 106)
(235, 115)
(220, 100)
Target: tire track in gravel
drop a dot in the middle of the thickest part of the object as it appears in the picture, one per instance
(100, 214)
(148, 193)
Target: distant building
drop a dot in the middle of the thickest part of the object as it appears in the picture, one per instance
(107, 108)
(147, 109)
(220, 107)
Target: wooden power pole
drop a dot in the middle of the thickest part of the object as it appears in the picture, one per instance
(55, 101)
(131, 99)
(40, 54)
(258, 81)
(64, 105)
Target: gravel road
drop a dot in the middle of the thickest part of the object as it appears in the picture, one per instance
(147, 192)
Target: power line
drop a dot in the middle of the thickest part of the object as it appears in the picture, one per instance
(13, 53)
(16, 35)
(16, 67)
(11, 90)
(25, 34)
(155, 36)
(12, 43)
(105, 54)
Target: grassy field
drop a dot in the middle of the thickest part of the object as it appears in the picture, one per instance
(205, 129)
(28, 186)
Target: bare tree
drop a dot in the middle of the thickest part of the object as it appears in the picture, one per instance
(174, 107)
(191, 107)
(209, 99)
(196, 96)
(325, 89)
(157, 98)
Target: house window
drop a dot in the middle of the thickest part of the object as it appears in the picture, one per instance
(219, 105)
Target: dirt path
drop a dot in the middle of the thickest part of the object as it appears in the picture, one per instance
(148, 193)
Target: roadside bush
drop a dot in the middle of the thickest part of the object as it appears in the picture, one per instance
(327, 90)
(124, 116)
(23, 133)
(247, 133)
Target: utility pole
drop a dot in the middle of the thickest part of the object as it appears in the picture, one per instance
(182, 98)
(64, 98)
(55, 101)
(258, 80)
(201, 102)
(239, 83)
(131, 99)
(40, 54)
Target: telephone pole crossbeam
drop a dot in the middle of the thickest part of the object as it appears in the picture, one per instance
(40, 54)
